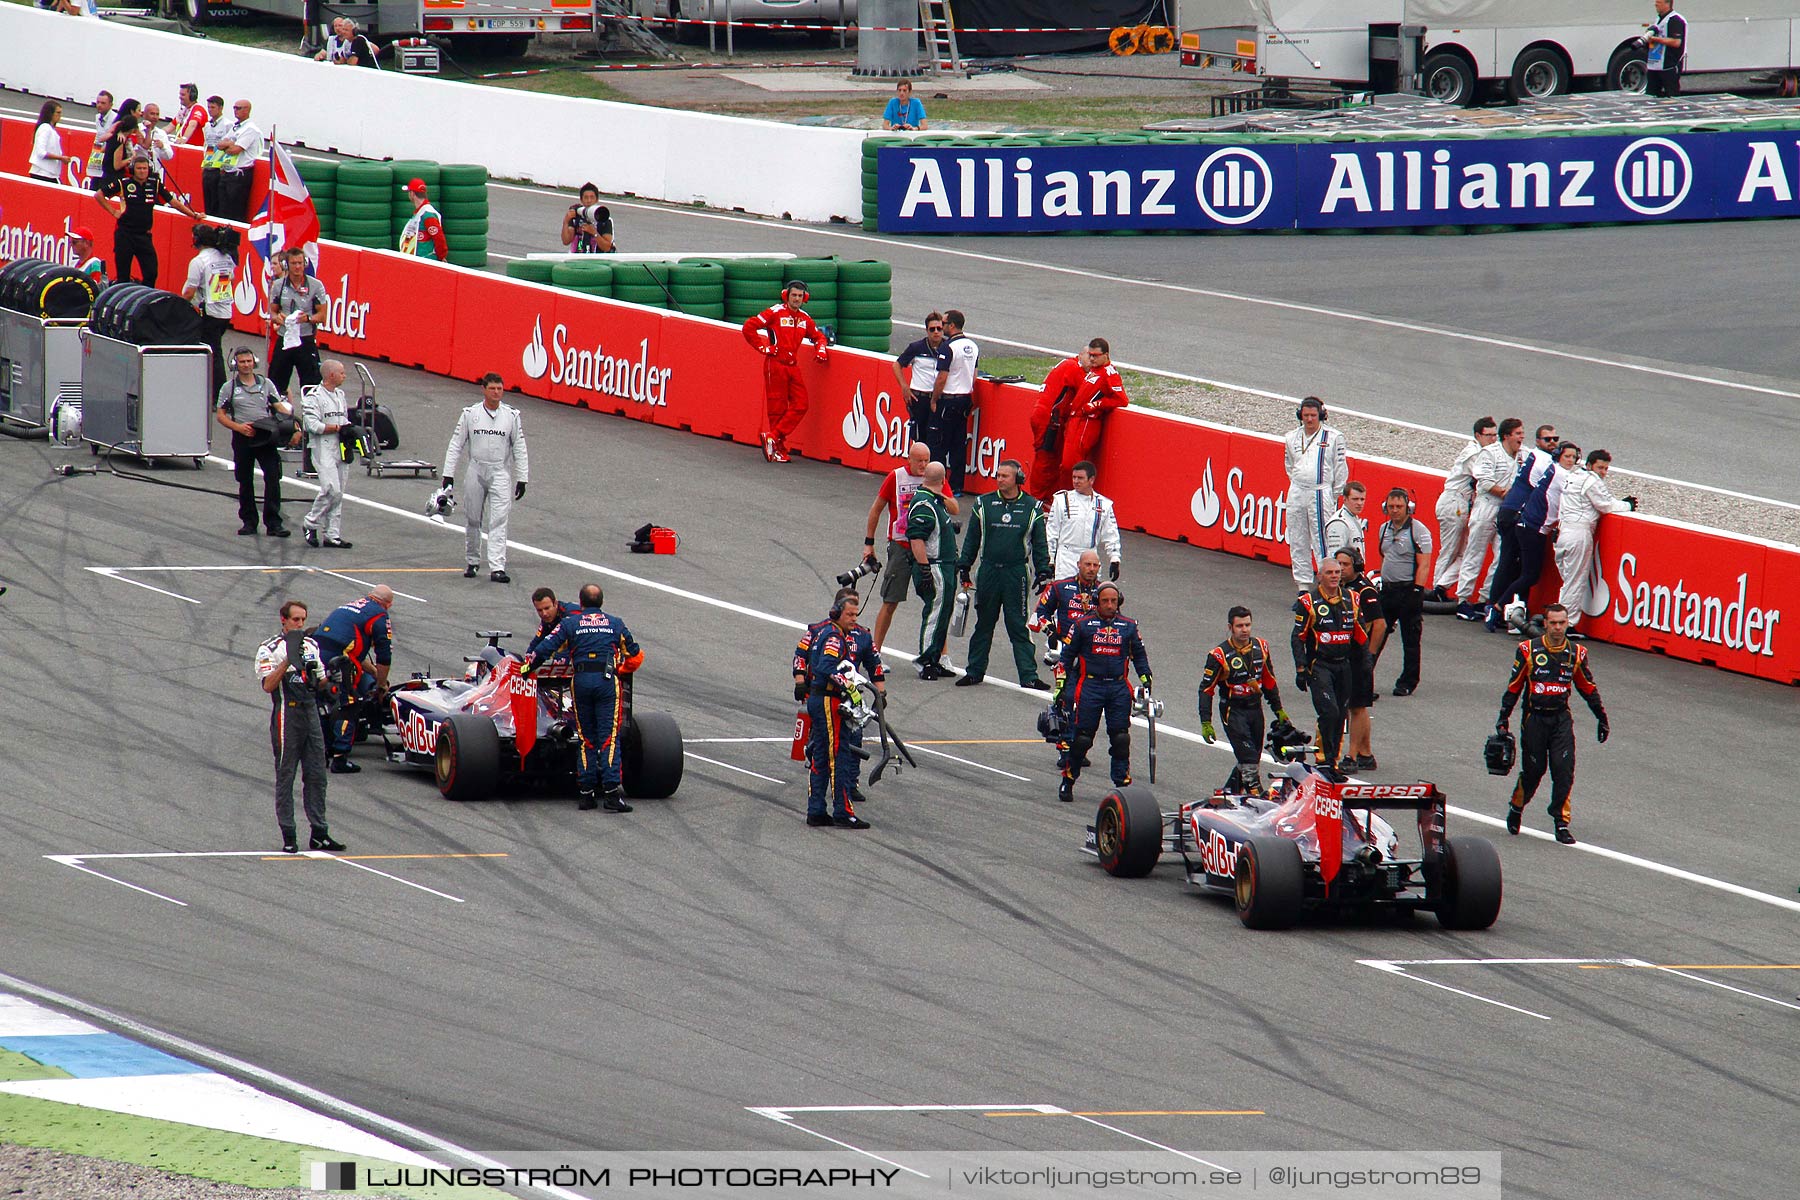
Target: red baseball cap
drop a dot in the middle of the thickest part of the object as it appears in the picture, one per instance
(416, 185)
(82, 232)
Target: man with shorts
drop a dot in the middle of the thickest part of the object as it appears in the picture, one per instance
(896, 495)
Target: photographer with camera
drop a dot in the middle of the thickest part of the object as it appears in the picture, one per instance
(209, 289)
(260, 421)
(292, 671)
(895, 495)
(587, 227)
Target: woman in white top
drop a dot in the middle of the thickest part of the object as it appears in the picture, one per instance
(47, 157)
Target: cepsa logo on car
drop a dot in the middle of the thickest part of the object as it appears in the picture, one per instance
(1379, 791)
(417, 734)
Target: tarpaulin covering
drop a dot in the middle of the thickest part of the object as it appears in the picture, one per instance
(1097, 16)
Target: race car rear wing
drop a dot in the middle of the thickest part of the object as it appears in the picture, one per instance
(1422, 797)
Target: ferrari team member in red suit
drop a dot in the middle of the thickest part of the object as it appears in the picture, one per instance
(776, 333)
(1065, 425)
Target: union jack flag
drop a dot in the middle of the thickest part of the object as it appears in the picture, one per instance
(288, 218)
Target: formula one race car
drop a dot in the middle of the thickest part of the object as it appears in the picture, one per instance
(1265, 853)
(492, 729)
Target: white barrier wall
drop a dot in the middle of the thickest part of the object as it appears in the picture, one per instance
(663, 154)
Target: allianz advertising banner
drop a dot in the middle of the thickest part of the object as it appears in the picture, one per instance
(1331, 185)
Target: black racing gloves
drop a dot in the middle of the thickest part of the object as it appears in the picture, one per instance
(448, 481)
(1113, 572)
(519, 490)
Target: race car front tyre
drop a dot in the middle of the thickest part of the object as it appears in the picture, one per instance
(654, 756)
(468, 757)
(1468, 884)
(1128, 832)
(1271, 883)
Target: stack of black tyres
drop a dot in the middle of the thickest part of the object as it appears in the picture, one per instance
(45, 289)
(145, 316)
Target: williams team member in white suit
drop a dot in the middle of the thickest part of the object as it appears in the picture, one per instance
(1585, 499)
(493, 438)
(1492, 471)
(1082, 519)
(1317, 470)
(1453, 509)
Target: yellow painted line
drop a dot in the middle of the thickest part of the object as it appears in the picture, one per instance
(373, 857)
(1695, 966)
(1143, 1112)
(1037, 741)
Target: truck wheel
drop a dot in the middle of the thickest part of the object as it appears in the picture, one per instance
(1628, 72)
(1539, 73)
(1469, 883)
(653, 756)
(1449, 78)
(1128, 832)
(468, 757)
(1271, 883)
(192, 11)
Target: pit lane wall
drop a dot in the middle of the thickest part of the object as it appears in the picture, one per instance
(812, 174)
(1675, 589)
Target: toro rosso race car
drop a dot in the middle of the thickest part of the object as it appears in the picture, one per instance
(493, 729)
(1316, 844)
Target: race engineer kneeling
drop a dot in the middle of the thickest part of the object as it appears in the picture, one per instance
(1096, 657)
(1240, 667)
(1544, 671)
(832, 692)
(602, 649)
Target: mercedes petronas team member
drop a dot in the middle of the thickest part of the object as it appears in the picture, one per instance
(1328, 641)
(1545, 670)
(295, 733)
(601, 649)
(493, 438)
(324, 414)
(931, 548)
(1453, 507)
(832, 749)
(1061, 605)
(1317, 470)
(1101, 652)
(1006, 533)
(1241, 672)
(1585, 499)
(348, 636)
(1081, 519)
(776, 333)
(1492, 472)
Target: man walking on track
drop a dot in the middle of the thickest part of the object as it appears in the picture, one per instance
(776, 333)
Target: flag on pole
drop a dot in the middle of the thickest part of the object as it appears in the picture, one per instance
(287, 219)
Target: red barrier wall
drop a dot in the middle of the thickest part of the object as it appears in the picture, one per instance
(184, 171)
(1690, 593)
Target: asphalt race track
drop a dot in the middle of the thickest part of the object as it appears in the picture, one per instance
(642, 982)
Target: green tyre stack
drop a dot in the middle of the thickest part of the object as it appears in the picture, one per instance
(645, 283)
(400, 209)
(321, 183)
(871, 150)
(751, 285)
(582, 275)
(698, 286)
(364, 204)
(537, 270)
(462, 199)
(865, 308)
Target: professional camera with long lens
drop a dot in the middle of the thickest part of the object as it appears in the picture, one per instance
(867, 566)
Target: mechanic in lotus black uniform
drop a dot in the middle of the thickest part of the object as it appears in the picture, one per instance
(832, 748)
(1544, 671)
(550, 614)
(132, 201)
(1359, 752)
(295, 733)
(602, 650)
(1328, 642)
(1241, 668)
(1062, 603)
(1100, 651)
(347, 636)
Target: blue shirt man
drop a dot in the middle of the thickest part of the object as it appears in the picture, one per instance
(602, 649)
(903, 111)
(352, 632)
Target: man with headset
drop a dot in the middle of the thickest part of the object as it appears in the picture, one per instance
(1102, 651)
(776, 333)
(1405, 547)
(1317, 470)
(835, 742)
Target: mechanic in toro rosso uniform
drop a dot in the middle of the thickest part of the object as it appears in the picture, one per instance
(602, 649)
(1239, 669)
(776, 333)
(550, 614)
(1545, 670)
(1062, 604)
(1100, 650)
(1328, 640)
(346, 637)
(832, 749)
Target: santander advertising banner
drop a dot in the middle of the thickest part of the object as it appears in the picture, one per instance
(1691, 593)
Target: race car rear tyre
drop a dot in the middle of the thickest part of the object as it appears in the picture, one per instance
(1128, 832)
(1469, 884)
(654, 756)
(1271, 883)
(468, 757)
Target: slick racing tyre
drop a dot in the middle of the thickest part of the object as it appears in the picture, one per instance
(1468, 884)
(653, 756)
(1271, 883)
(1128, 832)
(468, 757)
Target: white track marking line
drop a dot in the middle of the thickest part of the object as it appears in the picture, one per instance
(731, 741)
(1047, 1109)
(1390, 968)
(1137, 1138)
(967, 762)
(740, 770)
(320, 1101)
(120, 572)
(1715, 983)
(71, 860)
(78, 861)
(371, 870)
(780, 1117)
(366, 583)
(1162, 727)
(113, 573)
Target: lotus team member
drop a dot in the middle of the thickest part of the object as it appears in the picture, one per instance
(1100, 651)
(1062, 605)
(1492, 472)
(1453, 509)
(1241, 671)
(1328, 641)
(132, 201)
(1006, 533)
(348, 637)
(1585, 499)
(831, 751)
(1405, 547)
(953, 399)
(602, 649)
(294, 731)
(492, 436)
(917, 370)
(1359, 722)
(776, 333)
(1317, 470)
(244, 400)
(326, 413)
(1080, 519)
(896, 496)
(931, 549)
(1667, 40)
(424, 232)
(1545, 670)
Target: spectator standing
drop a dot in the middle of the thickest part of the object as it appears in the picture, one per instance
(1453, 509)
(96, 162)
(904, 111)
(133, 202)
(917, 370)
(1317, 468)
(208, 288)
(896, 496)
(1404, 543)
(243, 400)
(244, 144)
(1345, 526)
(156, 141)
(1492, 472)
(81, 244)
(121, 144)
(953, 396)
(191, 127)
(298, 305)
(47, 157)
(587, 227)
(1667, 42)
(1080, 519)
(424, 231)
(1585, 499)
(212, 162)
(326, 413)
(346, 47)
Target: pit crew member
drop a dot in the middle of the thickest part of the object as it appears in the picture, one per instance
(896, 496)
(1100, 652)
(1359, 755)
(602, 649)
(1585, 499)
(347, 637)
(550, 613)
(1317, 470)
(1006, 532)
(776, 333)
(832, 749)
(931, 549)
(1545, 670)
(1241, 671)
(1328, 641)
(1492, 471)
(1453, 509)
(1062, 604)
